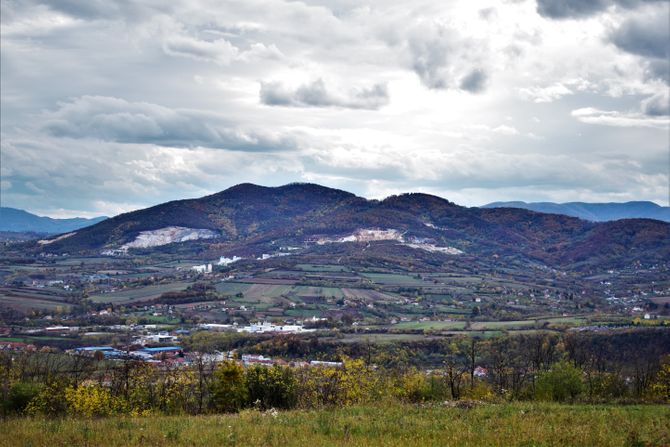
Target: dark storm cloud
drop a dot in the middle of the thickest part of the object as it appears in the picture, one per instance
(570, 9)
(647, 36)
(316, 94)
(113, 119)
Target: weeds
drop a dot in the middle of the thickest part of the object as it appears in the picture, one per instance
(512, 424)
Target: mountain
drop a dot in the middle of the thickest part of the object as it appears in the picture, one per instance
(250, 220)
(15, 220)
(595, 212)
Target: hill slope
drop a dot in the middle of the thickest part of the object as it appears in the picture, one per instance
(595, 212)
(260, 219)
(16, 220)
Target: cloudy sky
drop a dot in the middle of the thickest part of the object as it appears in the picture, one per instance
(109, 106)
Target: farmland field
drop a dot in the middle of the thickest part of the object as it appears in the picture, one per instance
(321, 268)
(521, 324)
(430, 325)
(515, 424)
(24, 303)
(32, 299)
(395, 279)
(231, 288)
(265, 291)
(661, 300)
(139, 294)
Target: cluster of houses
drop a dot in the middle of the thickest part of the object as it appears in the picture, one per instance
(156, 354)
(16, 346)
(250, 360)
(264, 327)
(175, 355)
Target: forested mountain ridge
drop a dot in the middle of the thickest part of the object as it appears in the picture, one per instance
(299, 214)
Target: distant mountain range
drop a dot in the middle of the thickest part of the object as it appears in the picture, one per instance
(15, 220)
(407, 229)
(595, 212)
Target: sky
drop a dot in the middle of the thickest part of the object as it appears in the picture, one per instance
(110, 106)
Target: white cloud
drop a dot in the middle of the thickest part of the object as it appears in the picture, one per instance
(590, 115)
(114, 119)
(445, 59)
(505, 130)
(140, 102)
(545, 94)
(315, 94)
(219, 51)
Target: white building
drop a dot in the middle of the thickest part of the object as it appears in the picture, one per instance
(162, 337)
(267, 327)
(322, 363)
(204, 268)
(227, 261)
(249, 359)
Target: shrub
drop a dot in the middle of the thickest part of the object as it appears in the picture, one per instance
(412, 386)
(89, 401)
(660, 389)
(50, 400)
(563, 382)
(480, 391)
(19, 396)
(273, 387)
(607, 386)
(229, 388)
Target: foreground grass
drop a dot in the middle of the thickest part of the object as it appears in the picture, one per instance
(518, 424)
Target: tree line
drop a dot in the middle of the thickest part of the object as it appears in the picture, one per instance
(630, 366)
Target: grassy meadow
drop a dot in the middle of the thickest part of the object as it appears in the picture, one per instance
(516, 424)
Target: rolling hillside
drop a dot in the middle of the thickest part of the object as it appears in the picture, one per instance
(314, 217)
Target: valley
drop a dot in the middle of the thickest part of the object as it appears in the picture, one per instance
(98, 297)
(339, 272)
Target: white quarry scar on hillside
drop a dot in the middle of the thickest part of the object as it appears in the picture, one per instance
(168, 235)
(369, 235)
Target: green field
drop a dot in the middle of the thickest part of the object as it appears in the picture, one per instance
(517, 424)
(322, 268)
(268, 293)
(429, 325)
(139, 294)
(395, 279)
(526, 324)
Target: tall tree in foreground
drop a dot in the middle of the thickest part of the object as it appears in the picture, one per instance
(229, 387)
